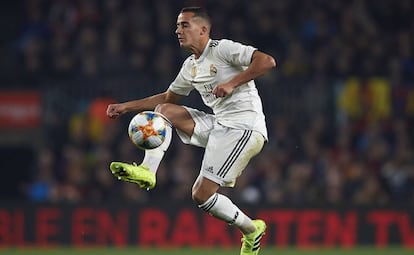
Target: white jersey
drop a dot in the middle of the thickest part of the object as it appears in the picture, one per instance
(220, 61)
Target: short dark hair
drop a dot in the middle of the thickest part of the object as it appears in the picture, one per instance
(198, 12)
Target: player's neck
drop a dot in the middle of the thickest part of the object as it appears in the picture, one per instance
(198, 49)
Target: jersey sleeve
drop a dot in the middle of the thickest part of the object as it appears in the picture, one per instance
(181, 85)
(235, 53)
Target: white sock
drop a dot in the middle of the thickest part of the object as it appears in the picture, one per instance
(223, 208)
(152, 158)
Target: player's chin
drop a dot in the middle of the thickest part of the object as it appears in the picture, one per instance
(183, 44)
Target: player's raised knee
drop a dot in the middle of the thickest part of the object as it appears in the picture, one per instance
(167, 109)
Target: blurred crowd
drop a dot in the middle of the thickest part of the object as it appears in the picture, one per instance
(340, 106)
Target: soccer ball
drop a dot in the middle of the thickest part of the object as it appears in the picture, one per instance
(147, 130)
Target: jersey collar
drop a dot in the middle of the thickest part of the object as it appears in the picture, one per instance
(205, 51)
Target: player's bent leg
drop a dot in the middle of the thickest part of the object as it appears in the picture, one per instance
(247, 144)
(141, 175)
(223, 208)
(220, 206)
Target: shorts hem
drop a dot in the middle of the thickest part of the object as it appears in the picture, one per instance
(217, 179)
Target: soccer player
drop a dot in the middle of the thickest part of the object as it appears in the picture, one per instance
(223, 72)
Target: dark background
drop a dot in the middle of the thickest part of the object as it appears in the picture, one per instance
(339, 106)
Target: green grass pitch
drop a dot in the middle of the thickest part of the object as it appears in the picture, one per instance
(188, 251)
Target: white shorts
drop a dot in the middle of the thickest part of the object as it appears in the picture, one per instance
(227, 150)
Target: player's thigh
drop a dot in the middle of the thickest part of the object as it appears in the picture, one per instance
(204, 123)
(228, 152)
(179, 117)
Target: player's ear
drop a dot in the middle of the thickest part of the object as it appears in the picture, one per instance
(204, 30)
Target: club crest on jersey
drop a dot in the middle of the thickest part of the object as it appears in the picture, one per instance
(213, 70)
(193, 71)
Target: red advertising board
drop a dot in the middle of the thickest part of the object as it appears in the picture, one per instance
(179, 226)
(19, 109)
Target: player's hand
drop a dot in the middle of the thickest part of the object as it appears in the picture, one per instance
(223, 90)
(115, 110)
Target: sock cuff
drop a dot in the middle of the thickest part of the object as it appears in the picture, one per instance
(211, 201)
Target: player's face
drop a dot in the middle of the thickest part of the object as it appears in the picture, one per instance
(188, 30)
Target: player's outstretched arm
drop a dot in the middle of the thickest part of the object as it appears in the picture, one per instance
(148, 103)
